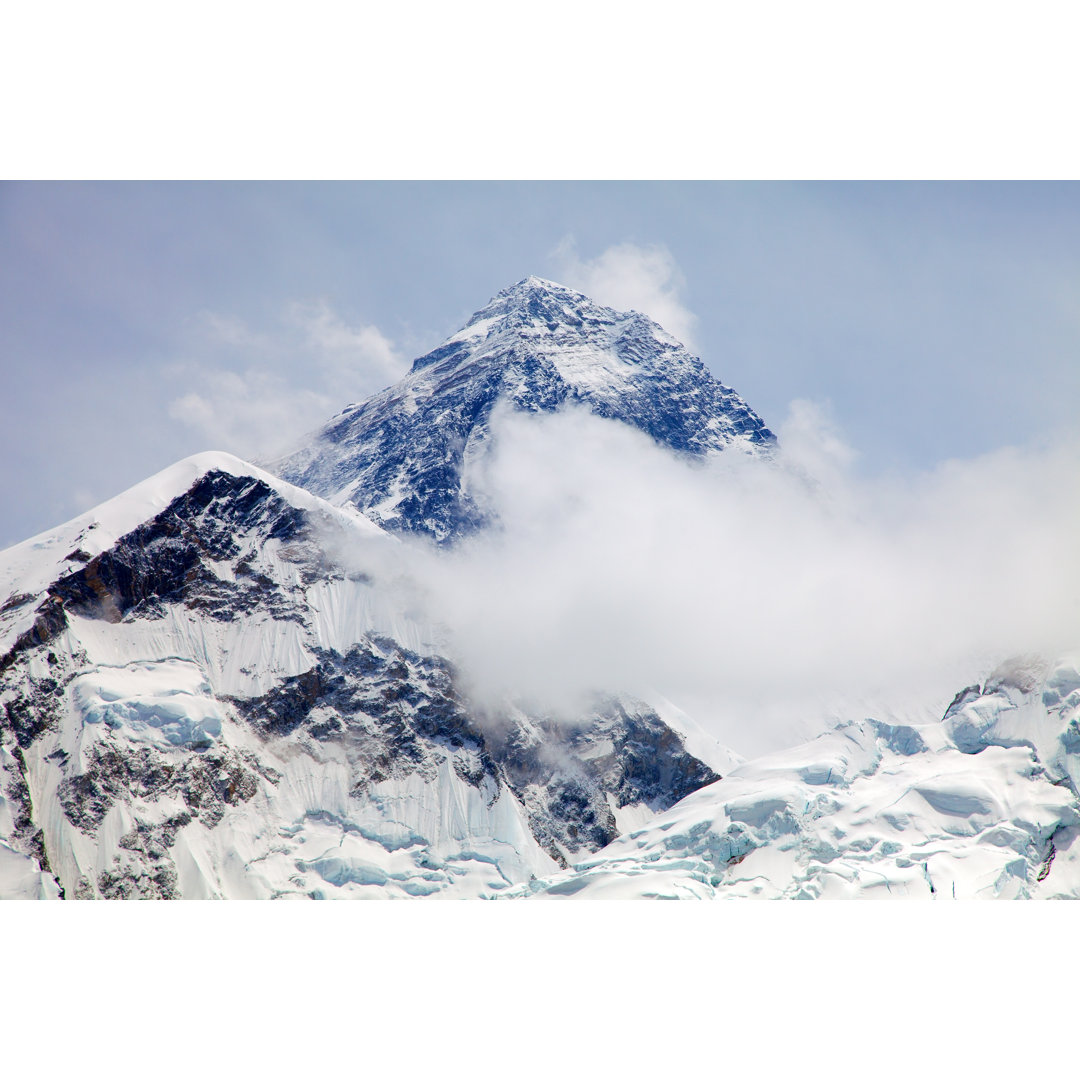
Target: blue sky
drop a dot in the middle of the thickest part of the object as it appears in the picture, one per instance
(140, 322)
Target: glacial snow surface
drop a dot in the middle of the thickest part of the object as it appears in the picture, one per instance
(980, 804)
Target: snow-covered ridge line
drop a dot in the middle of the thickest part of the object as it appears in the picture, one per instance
(121, 513)
(28, 568)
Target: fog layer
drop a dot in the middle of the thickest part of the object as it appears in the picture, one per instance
(765, 597)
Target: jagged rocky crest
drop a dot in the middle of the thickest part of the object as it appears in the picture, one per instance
(402, 457)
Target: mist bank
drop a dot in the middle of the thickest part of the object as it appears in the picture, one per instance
(764, 596)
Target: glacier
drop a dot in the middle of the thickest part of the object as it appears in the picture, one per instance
(981, 804)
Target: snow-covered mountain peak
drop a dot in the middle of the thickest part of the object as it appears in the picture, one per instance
(534, 290)
(402, 457)
(217, 684)
(532, 295)
(31, 566)
(536, 309)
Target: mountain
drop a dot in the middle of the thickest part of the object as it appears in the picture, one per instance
(403, 456)
(222, 684)
(209, 687)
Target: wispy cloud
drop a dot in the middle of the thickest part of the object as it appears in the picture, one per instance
(250, 413)
(353, 361)
(628, 276)
(814, 446)
(256, 390)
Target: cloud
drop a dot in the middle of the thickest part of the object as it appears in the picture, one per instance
(759, 602)
(813, 444)
(354, 360)
(628, 276)
(252, 413)
(255, 391)
(763, 598)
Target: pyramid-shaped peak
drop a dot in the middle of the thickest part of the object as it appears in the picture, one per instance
(532, 292)
(402, 457)
(542, 304)
(550, 318)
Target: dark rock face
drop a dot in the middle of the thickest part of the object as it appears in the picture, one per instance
(168, 559)
(26, 835)
(568, 774)
(50, 620)
(401, 457)
(399, 713)
(156, 878)
(396, 712)
(207, 782)
(30, 709)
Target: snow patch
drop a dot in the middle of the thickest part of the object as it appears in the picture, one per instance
(164, 703)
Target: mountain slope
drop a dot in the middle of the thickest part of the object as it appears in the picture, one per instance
(403, 456)
(202, 696)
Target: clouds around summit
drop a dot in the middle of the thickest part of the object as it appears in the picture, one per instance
(764, 599)
(258, 390)
(628, 276)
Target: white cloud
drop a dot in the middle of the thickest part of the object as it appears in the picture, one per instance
(757, 601)
(628, 276)
(264, 388)
(252, 414)
(353, 360)
(814, 447)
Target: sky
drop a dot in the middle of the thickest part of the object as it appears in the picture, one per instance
(141, 322)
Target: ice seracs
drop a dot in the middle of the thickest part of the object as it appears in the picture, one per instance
(164, 703)
(980, 804)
